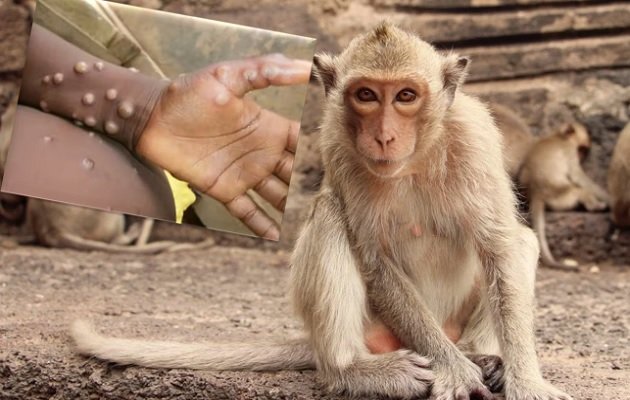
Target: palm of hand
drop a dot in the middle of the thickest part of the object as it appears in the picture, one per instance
(206, 132)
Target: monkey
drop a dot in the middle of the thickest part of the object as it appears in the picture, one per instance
(12, 207)
(62, 225)
(619, 179)
(414, 230)
(553, 177)
(518, 139)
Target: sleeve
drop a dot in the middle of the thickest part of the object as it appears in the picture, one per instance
(62, 79)
(50, 158)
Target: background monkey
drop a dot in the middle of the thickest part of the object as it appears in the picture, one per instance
(518, 139)
(554, 178)
(619, 179)
(415, 230)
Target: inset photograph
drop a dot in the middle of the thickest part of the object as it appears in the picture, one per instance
(159, 115)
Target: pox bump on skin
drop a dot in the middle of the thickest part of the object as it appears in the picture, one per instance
(125, 109)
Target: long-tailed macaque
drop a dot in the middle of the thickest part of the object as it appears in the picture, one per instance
(413, 264)
(619, 179)
(554, 178)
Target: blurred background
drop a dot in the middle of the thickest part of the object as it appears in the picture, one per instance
(550, 61)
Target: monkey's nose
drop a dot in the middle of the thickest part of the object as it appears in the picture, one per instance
(384, 141)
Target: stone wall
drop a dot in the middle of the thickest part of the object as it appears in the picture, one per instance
(548, 60)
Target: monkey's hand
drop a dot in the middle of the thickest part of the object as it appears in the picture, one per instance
(206, 132)
(532, 390)
(461, 380)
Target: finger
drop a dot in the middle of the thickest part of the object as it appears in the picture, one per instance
(294, 72)
(285, 167)
(292, 140)
(244, 208)
(274, 191)
(243, 76)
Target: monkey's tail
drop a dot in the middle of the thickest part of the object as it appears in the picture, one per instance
(537, 212)
(76, 242)
(269, 356)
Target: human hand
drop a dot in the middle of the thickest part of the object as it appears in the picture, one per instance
(205, 131)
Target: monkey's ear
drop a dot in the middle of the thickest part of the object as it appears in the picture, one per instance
(454, 73)
(567, 130)
(325, 70)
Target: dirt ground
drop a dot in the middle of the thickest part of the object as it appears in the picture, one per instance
(225, 294)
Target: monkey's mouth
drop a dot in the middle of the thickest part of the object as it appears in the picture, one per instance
(384, 167)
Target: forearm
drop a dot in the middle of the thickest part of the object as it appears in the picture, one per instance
(510, 270)
(73, 84)
(406, 314)
(51, 158)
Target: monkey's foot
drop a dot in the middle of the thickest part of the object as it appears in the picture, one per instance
(461, 382)
(533, 391)
(402, 374)
(492, 370)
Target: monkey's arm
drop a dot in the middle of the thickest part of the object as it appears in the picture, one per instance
(397, 302)
(329, 294)
(579, 177)
(73, 84)
(509, 254)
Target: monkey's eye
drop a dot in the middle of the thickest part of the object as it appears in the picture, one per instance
(365, 94)
(406, 96)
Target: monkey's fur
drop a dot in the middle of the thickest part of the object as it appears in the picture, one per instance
(619, 180)
(357, 262)
(518, 139)
(554, 178)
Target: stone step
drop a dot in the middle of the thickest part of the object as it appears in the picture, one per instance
(451, 28)
(532, 59)
(450, 4)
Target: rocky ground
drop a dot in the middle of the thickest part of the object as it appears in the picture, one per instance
(226, 294)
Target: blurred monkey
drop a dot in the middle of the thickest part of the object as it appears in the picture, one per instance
(619, 180)
(554, 178)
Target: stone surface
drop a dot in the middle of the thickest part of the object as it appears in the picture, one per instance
(470, 3)
(14, 28)
(461, 27)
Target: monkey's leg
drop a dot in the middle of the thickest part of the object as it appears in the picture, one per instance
(145, 233)
(14, 241)
(480, 344)
(537, 212)
(509, 255)
(128, 237)
(329, 294)
(138, 232)
(397, 302)
(592, 200)
(596, 195)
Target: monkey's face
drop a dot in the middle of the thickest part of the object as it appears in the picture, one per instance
(386, 93)
(580, 136)
(383, 120)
